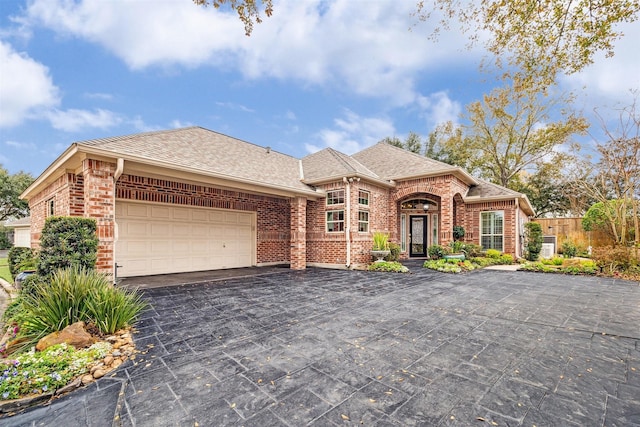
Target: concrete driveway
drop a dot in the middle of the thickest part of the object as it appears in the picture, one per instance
(325, 348)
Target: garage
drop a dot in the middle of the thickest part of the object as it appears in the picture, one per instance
(161, 239)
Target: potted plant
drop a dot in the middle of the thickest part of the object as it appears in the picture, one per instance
(458, 232)
(456, 251)
(380, 245)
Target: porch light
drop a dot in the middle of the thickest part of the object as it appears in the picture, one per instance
(425, 207)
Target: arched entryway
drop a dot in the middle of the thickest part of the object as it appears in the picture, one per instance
(419, 224)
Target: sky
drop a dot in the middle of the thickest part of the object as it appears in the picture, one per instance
(342, 74)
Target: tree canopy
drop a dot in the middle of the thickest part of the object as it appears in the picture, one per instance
(11, 186)
(539, 38)
(249, 11)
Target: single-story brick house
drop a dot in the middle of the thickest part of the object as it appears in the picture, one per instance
(192, 199)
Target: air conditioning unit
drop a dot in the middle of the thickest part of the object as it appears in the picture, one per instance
(548, 250)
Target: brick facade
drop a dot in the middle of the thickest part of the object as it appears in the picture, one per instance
(289, 229)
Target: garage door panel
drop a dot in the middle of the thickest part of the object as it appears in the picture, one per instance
(155, 239)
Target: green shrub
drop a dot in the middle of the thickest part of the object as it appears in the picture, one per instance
(436, 251)
(449, 266)
(5, 243)
(75, 294)
(569, 250)
(493, 253)
(614, 259)
(458, 232)
(394, 255)
(506, 259)
(533, 239)
(390, 266)
(20, 259)
(67, 242)
(472, 250)
(557, 261)
(30, 285)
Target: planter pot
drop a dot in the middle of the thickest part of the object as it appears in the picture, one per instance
(379, 255)
(459, 257)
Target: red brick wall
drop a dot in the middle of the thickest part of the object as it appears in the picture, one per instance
(298, 233)
(472, 231)
(273, 214)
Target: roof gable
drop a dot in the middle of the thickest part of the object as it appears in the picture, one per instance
(331, 164)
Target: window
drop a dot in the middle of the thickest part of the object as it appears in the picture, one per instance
(363, 221)
(363, 198)
(403, 232)
(434, 222)
(335, 221)
(51, 207)
(335, 197)
(491, 234)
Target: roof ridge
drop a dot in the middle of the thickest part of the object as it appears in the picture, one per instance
(484, 181)
(136, 135)
(338, 155)
(421, 156)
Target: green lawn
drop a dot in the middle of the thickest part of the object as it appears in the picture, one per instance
(4, 270)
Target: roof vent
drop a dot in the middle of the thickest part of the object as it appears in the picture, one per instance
(268, 149)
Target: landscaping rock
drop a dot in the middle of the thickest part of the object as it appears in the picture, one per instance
(74, 335)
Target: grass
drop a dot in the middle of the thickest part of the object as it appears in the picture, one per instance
(4, 270)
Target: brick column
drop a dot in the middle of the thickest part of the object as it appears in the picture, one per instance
(298, 233)
(446, 220)
(99, 204)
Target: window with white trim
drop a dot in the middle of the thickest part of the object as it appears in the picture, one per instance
(335, 197)
(363, 221)
(363, 197)
(335, 221)
(51, 207)
(492, 230)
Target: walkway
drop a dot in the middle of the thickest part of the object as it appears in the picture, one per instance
(324, 347)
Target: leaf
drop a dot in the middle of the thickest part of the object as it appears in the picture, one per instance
(233, 405)
(344, 417)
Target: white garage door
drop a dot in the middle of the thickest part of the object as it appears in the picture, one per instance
(160, 239)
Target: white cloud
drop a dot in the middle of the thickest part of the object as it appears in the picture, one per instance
(25, 87)
(21, 145)
(235, 107)
(99, 96)
(177, 124)
(74, 120)
(352, 133)
(366, 50)
(438, 108)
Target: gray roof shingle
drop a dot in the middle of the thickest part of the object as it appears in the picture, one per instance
(208, 152)
(329, 163)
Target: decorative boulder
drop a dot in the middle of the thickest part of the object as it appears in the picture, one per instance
(74, 335)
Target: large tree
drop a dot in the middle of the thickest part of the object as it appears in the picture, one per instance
(11, 186)
(511, 131)
(540, 38)
(612, 179)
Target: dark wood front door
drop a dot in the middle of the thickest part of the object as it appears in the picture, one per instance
(418, 232)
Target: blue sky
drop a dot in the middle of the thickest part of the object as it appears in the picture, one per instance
(341, 74)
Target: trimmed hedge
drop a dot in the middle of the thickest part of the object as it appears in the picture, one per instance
(19, 257)
(67, 242)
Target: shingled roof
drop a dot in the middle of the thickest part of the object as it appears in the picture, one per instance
(207, 152)
(329, 164)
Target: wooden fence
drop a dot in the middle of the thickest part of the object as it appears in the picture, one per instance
(571, 229)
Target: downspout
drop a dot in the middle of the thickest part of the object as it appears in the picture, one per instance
(518, 236)
(347, 215)
(116, 175)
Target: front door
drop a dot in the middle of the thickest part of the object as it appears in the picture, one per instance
(418, 236)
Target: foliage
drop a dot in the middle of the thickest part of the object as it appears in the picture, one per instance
(449, 266)
(20, 259)
(31, 284)
(394, 254)
(533, 240)
(5, 243)
(413, 143)
(67, 242)
(579, 267)
(389, 266)
(248, 10)
(473, 250)
(541, 38)
(73, 295)
(46, 371)
(615, 259)
(456, 247)
(458, 232)
(547, 187)
(503, 137)
(436, 251)
(11, 186)
(493, 253)
(380, 241)
(569, 249)
(613, 182)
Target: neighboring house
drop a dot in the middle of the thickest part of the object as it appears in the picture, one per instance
(21, 231)
(193, 199)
